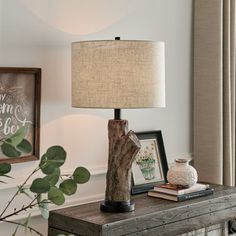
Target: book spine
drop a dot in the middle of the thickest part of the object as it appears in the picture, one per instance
(194, 195)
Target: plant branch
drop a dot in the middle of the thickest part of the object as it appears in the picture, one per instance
(30, 205)
(17, 192)
(20, 224)
(66, 175)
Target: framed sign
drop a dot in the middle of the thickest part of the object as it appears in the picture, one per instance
(150, 165)
(20, 93)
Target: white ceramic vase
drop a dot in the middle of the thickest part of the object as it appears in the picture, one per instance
(181, 173)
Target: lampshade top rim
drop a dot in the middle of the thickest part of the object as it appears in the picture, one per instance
(94, 41)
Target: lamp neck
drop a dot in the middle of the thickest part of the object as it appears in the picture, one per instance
(117, 114)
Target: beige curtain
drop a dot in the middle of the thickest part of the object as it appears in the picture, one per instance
(214, 90)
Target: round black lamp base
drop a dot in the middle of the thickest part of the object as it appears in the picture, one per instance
(117, 206)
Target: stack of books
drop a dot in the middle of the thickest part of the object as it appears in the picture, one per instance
(177, 193)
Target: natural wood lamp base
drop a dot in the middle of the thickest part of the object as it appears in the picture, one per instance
(123, 147)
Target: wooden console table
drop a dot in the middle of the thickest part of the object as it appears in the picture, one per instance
(152, 216)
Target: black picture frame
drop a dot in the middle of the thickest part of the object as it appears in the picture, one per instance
(21, 85)
(149, 139)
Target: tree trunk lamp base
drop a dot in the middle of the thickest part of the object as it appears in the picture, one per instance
(123, 147)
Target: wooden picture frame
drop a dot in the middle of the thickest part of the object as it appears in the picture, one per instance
(150, 165)
(20, 96)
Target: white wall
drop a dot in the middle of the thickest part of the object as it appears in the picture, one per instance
(38, 33)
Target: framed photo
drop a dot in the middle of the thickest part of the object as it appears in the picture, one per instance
(20, 93)
(150, 165)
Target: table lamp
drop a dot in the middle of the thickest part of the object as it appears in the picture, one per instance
(118, 74)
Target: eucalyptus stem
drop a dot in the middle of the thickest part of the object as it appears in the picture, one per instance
(20, 224)
(30, 205)
(66, 175)
(17, 192)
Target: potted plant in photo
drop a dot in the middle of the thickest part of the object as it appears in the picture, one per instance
(146, 162)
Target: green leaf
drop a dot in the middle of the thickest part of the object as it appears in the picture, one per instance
(17, 138)
(68, 187)
(25, 146)
(4, 168)
(45, 166)
(56, 196)
(54, 177)
(81, 175)
(9, 150)
(56, 156)
(48, 169)
(40, 186)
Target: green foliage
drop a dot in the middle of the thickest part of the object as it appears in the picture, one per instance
(50, 165)
(14, 145)
(9, 150)
(4, 169)
(45, 166)
(18, 137)
(68, 187)
(55, 195)
(56, 156)
(40, 185)
(54, 177)
(81, 175)
(47, 189)
(52, 159)
(24, 146)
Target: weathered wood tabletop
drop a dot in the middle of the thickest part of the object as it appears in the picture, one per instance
(152, 216)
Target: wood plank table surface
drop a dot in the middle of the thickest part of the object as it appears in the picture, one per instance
(152, 216)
